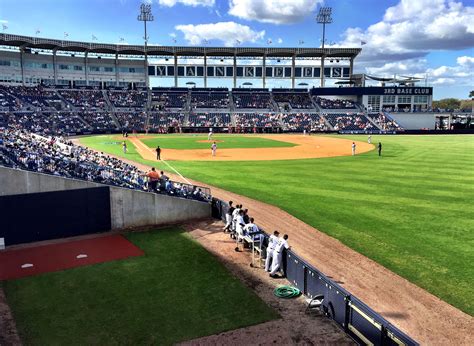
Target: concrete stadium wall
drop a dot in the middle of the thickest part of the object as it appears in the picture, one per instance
(415, 121)
(129, 208)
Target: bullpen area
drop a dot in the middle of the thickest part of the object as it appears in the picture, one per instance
(174, 291)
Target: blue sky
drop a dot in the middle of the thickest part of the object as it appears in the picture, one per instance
(429, 38)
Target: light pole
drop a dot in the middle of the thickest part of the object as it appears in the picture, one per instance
(324, 17)
(146, 16)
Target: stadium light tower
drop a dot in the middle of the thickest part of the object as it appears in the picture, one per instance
(324, 17)
(146, 16)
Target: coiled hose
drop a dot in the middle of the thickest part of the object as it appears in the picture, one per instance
(286, 292)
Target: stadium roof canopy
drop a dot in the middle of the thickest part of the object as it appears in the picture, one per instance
(103, 48)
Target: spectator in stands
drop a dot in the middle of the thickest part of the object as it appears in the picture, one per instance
(272, 242)
(153, 178)
(278, 254)
(163, 180)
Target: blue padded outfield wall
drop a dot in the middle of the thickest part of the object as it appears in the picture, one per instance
(362, 323)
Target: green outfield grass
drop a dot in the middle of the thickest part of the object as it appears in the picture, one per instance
(192, 142)
(410, 210)
(177, 291)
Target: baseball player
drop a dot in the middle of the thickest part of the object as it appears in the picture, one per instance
(239, 224)
(278, 254)
(235, 213)
(209, 136)
(251, 229)
(214, 148)
(353, 148)
(272, 242)
(369, 139)
(228, 217)
(124, 147)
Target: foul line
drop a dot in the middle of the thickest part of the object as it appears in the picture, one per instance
(138, 142)
(186, 180)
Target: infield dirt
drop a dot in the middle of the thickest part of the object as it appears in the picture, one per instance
(307, 147)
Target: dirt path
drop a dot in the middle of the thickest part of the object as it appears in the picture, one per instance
(307, 147)
(8, 332)
(420, 314)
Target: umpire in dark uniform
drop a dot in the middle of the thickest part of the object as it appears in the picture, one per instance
(380, 148)
(158, 153)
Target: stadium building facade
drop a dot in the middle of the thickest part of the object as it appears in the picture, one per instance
(184, 75)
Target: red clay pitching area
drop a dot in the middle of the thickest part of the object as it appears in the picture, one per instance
(18, 263)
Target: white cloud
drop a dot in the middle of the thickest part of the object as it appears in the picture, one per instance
(411, 29)
(193, 3)
(3, 21)
(461, 74)
(280, 40)
(273, 11)
(227, 32)
(173, 35)
(466, 61)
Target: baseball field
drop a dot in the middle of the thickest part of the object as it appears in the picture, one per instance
(410, 210)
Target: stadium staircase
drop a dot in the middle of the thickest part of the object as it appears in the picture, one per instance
(372, 121)
(231, 102)
(273, 103)
(326, 122)
(106, 98)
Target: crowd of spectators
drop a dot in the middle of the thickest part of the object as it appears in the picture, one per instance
(335, 103)
(303, 122)
(169, 99)
(128, 99)
(385, 122)
(349, 122)
(134, 121)
(161, 122)
(35, 96)
(84, 99)
(99, 120)
(209, 100)
(53, 155)
(243, 120)
(257, 100)
(8, 102)
(295, 100)
(31, 121)
(209, 120)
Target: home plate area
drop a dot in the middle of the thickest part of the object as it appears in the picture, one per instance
(18, 263)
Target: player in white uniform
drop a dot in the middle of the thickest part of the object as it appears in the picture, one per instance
(234, 217)
(369, 139)
(209, 136)
(272, 242)
(278, 254)
(239, 226)
(214, 148)
(353, 148)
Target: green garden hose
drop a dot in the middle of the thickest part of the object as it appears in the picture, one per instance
(286, 292)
